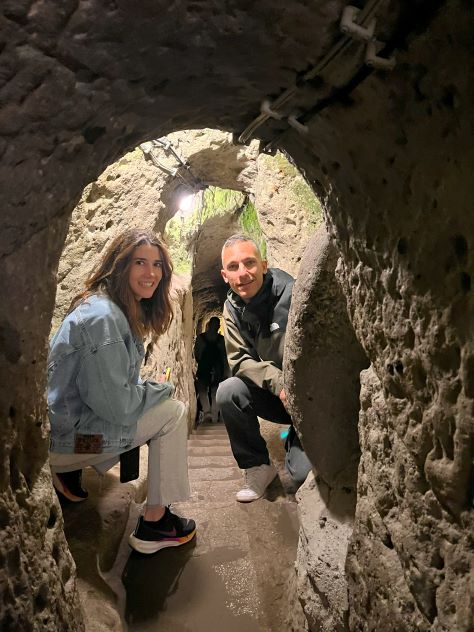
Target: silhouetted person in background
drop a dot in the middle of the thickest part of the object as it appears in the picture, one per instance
(209, 351)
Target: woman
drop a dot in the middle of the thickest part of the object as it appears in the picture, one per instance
(99, 407)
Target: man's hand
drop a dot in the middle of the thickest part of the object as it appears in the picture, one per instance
(282, 397)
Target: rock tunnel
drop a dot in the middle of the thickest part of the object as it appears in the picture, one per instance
(373, 105)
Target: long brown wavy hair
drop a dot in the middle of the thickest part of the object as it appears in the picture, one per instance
(150, 316)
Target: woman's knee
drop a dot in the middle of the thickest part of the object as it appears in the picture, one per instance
(178, 417)
(180, 408)
(161, 419)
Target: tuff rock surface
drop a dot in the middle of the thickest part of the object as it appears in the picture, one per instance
(389, 154)
(322, 363)
(141, 190)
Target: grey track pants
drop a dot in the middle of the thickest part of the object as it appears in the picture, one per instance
(165, 430)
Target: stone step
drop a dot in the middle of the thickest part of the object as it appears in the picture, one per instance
(214, 474)
(210, 460)
(221, 439)
(210, 428)
(209, 442)
(217, 429)
(212, 494)
(205, 450)
(212, 489)
(206, 438)
(209, 437)
(239, 550)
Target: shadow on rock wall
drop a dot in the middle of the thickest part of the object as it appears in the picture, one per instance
(323, 360)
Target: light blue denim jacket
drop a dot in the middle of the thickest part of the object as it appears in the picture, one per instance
(94, 385)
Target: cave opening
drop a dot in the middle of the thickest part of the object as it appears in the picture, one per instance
(182, 196)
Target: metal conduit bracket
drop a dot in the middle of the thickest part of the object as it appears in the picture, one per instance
(163, 142)
(146, 147)
(373, 60)
(350, 27)
(265, 108)
(266, 148)
(299, 127)
(165, 145)
(171, 171)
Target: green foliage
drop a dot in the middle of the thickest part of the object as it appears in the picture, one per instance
(214, 201)
(180, 229)
(177, 238)
(282, 164)
(248, 219)
(309, 202)
(218, 201)
(304, 194)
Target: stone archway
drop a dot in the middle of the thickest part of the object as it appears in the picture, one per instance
(144, 188)
(391, 156)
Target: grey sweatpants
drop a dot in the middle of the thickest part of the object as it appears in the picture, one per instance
(165, 430)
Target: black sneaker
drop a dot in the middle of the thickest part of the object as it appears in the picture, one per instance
(171, 530)
(68, 485)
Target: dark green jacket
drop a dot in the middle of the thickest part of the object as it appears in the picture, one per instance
(255, 332)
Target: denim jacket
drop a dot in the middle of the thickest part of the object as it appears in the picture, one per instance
(94, 386)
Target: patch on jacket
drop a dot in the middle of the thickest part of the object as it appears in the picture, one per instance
(274, 327)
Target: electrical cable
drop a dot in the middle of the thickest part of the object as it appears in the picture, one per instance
(364, 16)
(164, 143)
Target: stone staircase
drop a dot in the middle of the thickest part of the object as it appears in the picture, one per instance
(234, 577)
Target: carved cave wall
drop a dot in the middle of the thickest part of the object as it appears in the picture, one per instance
(390, 155)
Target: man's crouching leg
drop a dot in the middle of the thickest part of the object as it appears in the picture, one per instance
(236, 405)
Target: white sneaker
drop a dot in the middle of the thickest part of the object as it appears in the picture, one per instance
(256, 481)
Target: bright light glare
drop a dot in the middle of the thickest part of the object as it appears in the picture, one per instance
(186, 204)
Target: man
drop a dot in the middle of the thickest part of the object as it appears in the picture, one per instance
(209, 352)
(255, 317)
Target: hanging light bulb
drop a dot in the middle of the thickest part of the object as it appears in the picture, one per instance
(186, 204)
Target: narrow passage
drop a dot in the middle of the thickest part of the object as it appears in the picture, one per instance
(235, 576)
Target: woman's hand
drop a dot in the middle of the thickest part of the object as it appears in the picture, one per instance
(165, 376)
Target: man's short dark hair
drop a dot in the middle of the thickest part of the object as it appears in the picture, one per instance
(237, 238)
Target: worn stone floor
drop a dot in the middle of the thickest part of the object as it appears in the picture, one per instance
(237, 574)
